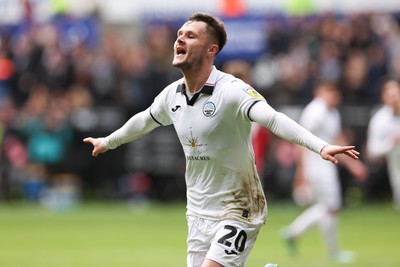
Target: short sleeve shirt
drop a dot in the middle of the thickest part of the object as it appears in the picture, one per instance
(214, 130)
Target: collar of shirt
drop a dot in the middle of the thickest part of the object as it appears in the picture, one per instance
(208, 87)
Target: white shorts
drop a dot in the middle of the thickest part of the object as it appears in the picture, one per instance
(227, 242)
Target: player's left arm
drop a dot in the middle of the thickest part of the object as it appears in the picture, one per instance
(286, 128)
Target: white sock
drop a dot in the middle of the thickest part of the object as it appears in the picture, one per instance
(328, 227)
(310, 217)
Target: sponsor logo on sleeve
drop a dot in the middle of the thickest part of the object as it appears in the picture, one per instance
(251, 91)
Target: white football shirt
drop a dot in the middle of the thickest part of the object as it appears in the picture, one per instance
(382, 128)
(213, 127)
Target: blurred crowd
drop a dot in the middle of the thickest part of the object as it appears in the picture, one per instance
(56, 88)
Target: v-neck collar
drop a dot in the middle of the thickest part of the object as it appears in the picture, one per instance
(208, 87)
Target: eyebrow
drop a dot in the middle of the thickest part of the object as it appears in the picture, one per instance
(187, 32)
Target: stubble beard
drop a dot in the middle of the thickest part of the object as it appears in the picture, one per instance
(186, 65)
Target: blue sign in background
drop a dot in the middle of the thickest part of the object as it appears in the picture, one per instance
(246, 38)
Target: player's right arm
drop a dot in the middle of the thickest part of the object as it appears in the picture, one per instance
(140, 124)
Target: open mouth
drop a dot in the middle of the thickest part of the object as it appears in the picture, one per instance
(180, 51)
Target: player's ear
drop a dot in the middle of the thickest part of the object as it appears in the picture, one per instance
(213, 49)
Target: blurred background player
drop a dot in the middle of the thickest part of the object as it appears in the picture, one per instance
(384, 135)
(318, 183)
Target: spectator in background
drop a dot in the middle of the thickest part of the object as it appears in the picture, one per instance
(134, 69)
(145, 68)
(13, 155)
(6, 72)
(321, 180)
(354, 83)
(55, 69)
(45, 125)
(103, 73)
(26, 56)
(384, 135)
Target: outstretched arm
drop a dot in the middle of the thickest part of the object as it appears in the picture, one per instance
(329, 152)
(286, 128)
(97, 143)
(137, 126)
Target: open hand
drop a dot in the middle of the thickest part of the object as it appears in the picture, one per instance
(328, 152)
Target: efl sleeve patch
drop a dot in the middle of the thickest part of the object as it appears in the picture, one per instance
(251, 91)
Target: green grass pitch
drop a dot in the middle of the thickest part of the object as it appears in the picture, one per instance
(122, 235)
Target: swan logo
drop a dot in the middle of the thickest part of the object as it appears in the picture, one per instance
(208, 109)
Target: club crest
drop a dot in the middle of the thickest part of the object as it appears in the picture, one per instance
(208, 109)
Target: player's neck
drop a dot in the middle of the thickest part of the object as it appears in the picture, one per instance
(396, 110)
(196, 78)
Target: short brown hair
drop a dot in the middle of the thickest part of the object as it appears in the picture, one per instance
(326, 85)
(215, 26)
(384, 81)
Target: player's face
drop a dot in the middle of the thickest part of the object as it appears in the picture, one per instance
(391, 94)
(331, 95)
(334, 98)
(191, 45)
